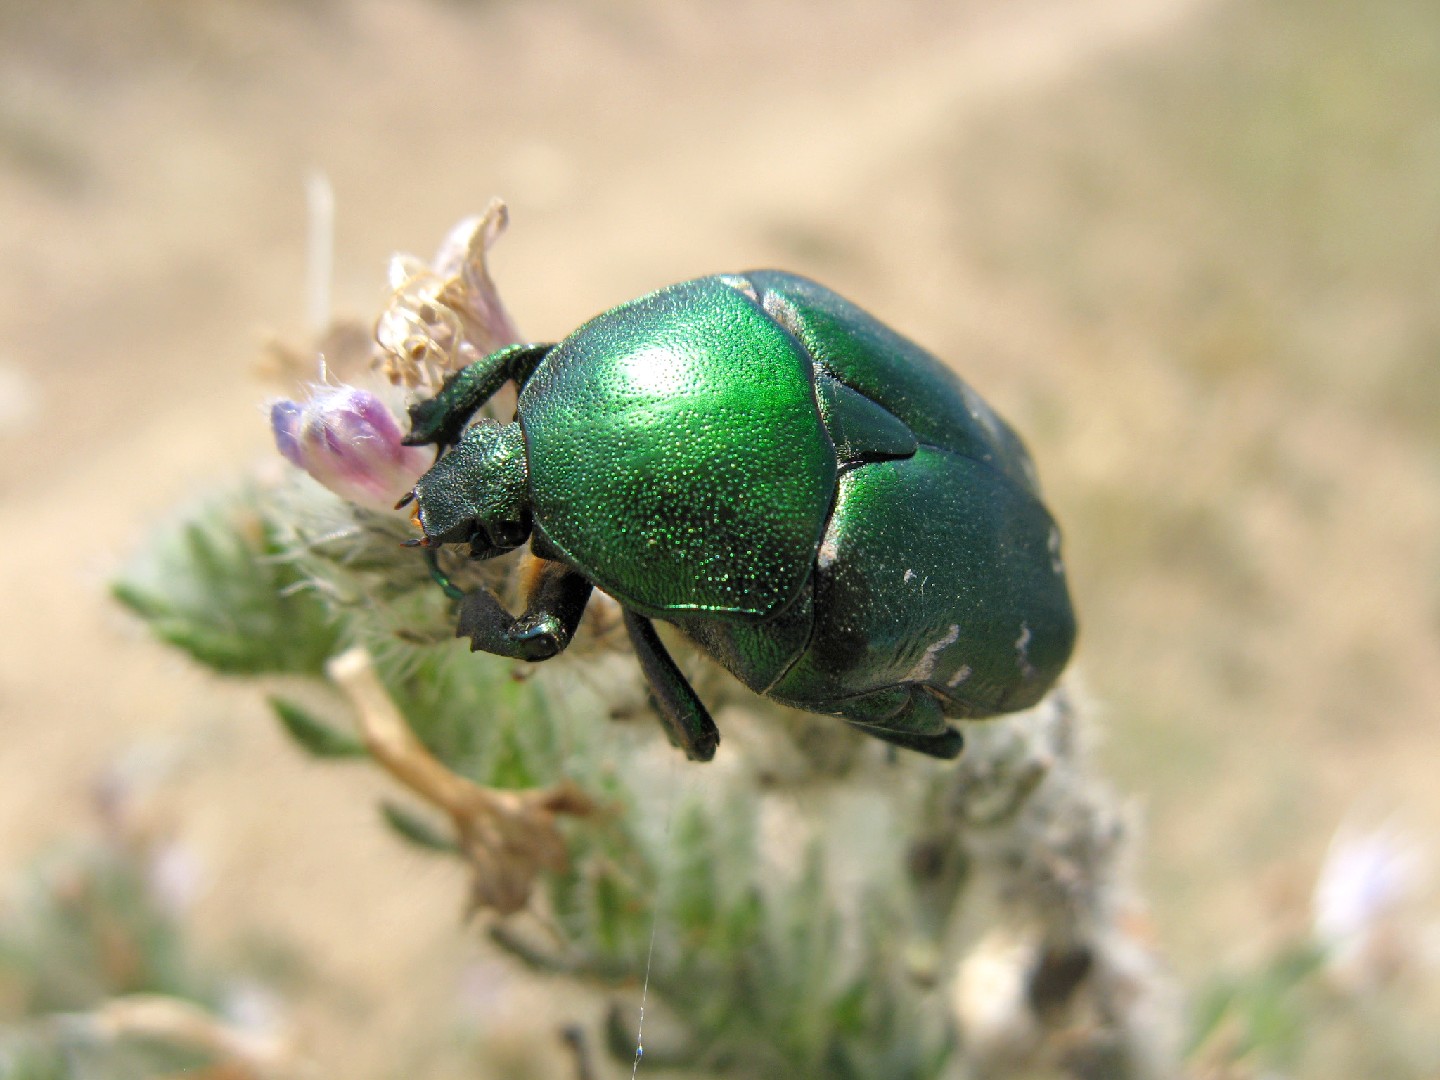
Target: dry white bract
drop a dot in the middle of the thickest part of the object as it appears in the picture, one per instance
(1071, 954)
(990, 998)
(445, 314)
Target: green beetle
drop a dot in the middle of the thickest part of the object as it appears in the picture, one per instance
(814, 500)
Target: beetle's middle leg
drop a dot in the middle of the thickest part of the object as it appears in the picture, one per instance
(904, 715)
(555, 600)
(685, 717)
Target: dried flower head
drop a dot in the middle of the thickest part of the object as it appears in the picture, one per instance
(446, 314)
(350, 442)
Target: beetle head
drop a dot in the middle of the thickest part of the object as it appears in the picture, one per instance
(478, 493)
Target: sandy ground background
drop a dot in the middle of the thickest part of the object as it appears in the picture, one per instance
(1187, 246)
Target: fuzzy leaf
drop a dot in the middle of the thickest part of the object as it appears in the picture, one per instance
(415, 829)
(314, 735)
(473, 715)
(694, 906)
(608, 909)
(219, 588)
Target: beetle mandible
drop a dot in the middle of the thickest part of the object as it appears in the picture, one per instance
(814, 500)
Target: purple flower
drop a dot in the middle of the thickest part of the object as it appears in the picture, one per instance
(1370, 878)
(350, 442)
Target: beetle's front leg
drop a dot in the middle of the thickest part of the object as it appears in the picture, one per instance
(442, 418)
(555, 599)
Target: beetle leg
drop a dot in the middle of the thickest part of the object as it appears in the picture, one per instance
(442, 418)
(555, 601)
(905, 716)
(448, 587)
(946, 746)
(685, 718)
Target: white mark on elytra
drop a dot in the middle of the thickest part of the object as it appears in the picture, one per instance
(926, 664)
(959, 676)
(910, 576)
(1022, 652)
(1057, 564)
(828, 551)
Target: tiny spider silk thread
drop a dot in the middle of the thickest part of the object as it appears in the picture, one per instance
(644, 993)
(654, 926)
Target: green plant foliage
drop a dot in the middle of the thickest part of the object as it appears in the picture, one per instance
(765, 974)
(472, 714)
(82, 927)
(314, 735)
(219, 587)
(417, 829)
(1267, 1015)
(24, 1056)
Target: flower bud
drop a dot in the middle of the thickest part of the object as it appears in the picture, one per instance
(349, 441)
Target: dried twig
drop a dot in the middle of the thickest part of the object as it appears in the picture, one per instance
(507, 836)
(246, 1055)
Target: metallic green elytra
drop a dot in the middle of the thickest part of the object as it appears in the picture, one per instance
(817, 502)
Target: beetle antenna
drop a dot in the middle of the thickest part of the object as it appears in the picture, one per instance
(419, 541)
(405, 500)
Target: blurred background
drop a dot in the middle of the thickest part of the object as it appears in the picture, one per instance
(1188, 247)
